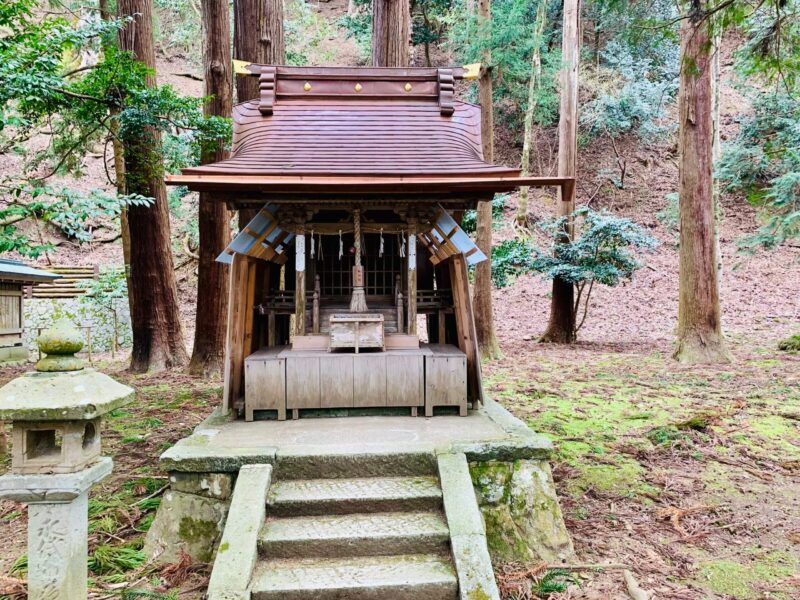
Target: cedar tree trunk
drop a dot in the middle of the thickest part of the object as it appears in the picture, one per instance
(561, 327)
(391, 21)
(700, 338)
(257, 38)
(214, 219)
(533, 88)
(157, 333)
(482, 291)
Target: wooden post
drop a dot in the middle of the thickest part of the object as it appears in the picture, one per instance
(315, 307)
(300, 284)
(234, 359)
(412, 280)
(465, 324)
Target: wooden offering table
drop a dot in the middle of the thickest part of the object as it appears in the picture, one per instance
(357, 330)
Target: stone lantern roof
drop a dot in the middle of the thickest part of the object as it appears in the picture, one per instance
(61, 389)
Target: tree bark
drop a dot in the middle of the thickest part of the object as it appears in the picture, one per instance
(155, 321)
(561, 327)
(533, 88)
(257, 37)
(700, 338)
(482, 290)
(214, 219)
(391, 21)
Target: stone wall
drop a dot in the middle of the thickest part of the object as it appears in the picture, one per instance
(521, 512)
(42, 312)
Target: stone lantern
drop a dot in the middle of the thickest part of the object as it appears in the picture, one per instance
(55, 416)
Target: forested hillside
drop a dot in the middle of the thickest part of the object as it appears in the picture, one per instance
(671, 382)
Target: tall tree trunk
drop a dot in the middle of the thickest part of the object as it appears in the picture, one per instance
(482, 290)
(257, 37)
(700, 338)
(391, 21)
(533, 87)
(214, 219)
(155, 321)
(561, 327)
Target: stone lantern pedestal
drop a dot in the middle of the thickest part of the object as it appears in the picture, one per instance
(55, 414)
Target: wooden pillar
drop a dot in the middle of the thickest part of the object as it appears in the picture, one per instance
(465, 324)
(237, 317)
(300, 284)
(412, 280)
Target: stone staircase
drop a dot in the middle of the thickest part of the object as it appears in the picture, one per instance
(359, 533)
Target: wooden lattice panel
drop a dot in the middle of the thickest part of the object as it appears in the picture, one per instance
(67, 286)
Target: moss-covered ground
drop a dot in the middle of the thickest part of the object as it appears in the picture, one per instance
(690, 476)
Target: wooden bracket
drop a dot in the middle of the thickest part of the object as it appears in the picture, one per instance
(446, 90)
(266, 85)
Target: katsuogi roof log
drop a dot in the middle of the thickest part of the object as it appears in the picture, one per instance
(356, 130)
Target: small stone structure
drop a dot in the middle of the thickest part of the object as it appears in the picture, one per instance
(55, 414)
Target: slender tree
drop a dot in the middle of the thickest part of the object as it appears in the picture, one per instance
(391, 21)
(214, 219)
(258, 37)
(534, 85)
(155, 320)
(700, 338)
(482, 291)
(561, 327)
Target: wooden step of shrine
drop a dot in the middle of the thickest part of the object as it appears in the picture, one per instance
(346, 496)
(405, 577)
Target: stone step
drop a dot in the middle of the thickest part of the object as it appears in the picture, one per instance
(408, 577)
(392, 463)
(355, 535)
(344, 496)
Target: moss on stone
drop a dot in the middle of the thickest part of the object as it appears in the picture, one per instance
(198, 532)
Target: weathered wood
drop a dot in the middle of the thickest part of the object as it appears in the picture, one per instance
(354, 330)
(234, 349)
(300, 286)
(412, 281)
(399, 341)
(467, 336)
(404, 379)
(315, 308)
(445, 378)
(265, 383)
(369, 380)
(303, 382)
(336, 381)
(306, 343)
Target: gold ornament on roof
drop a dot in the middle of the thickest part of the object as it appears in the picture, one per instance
(407, 87)
(358, 87)
(307, 86)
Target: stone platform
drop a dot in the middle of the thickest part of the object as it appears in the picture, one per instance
(342, 493)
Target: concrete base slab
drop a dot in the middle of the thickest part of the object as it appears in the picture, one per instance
(222, 444)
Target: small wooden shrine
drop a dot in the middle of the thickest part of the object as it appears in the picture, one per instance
(358, 178)
(14, 277)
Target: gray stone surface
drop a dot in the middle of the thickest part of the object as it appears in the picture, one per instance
(185, 522)
(368, 534)
(57, 549)
(367, 578)
(298, 464)
(520, 508)
(467, 534)
(57, 488)
(344, 496)
(75, 395)
(198, 454)
(13, 355)
(212, 485)
(238, 548)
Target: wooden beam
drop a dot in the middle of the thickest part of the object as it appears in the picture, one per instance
(234, 350)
